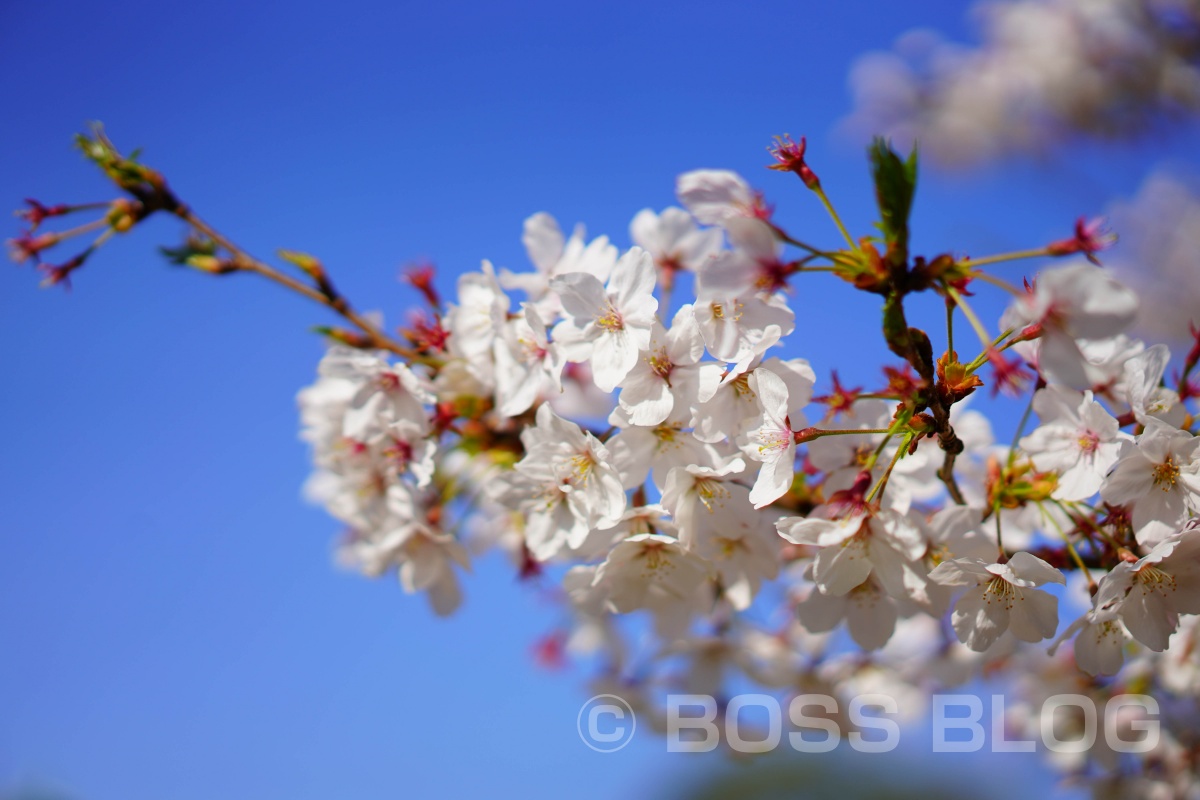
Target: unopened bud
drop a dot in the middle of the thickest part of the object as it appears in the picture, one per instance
(210, 264)
(347, 337)
(307, 264)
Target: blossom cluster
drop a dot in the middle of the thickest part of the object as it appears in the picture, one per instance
(713, 513)
(667, 462)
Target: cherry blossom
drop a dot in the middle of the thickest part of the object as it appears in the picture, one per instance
(638, 451)
(674, 240)
(869, 612)
(734, 327)
(608, 325)
(1079, 301)
(653, 571)
(856, 545)
(624, 463)
(1146, 395)
(1077, 439)
(1154, 590)
(773, 442)
(1004, 597)
(1160, 478)
(552, 255)
(668, 373)
(715, 196)
(528, 364)
(693, 492)
(566, 485)
(476, 319)
(385, 393)
(754, 264)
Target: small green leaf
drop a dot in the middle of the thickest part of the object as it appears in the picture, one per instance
(895, 185)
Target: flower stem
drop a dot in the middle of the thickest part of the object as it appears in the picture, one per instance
(980, 330)
(834, 215)
(881, 484)
(1000, 282)
(1001, 257)
(982, 357)
(244, 261)
(1070, 548)
(950, 303)
(784, 237)
(1012, 449)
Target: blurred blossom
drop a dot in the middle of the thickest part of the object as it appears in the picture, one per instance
(1045, 70)
(1159, 253)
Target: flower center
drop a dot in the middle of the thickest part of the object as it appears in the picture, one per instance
(531, 349)
(1154, 579)
(581, 468)
(1000, 591)
(1165, 474)
(710, 491)
(773, 441)
(655, 559)
(667, 434)
(660, 363)
(728, 547)
(399, 452)
(611, 320)
(732, 311)
(1088, 442)
(772, 275)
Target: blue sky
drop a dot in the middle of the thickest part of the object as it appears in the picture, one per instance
(171, 622)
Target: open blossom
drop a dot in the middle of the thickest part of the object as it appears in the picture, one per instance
(637, 451)
(405, 540)
(1099, 641)
(714, 196)
(856, 545)
(1144, 391)
(610, 325)
(385, 393)
(734, 409)
(754, 264)
(655, 572)
(743, 549)
(1001, 597)
(424, 560)
(566, 486)
(773, 442)
(527, 363)
(552, 255)
(693, 491)
(869, 612)
(1152, 592)
(734, 327)
(674, 241)
(1160, 478)
(1078, 301)
(669, 373)
(1077, 439)
(476, 319)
